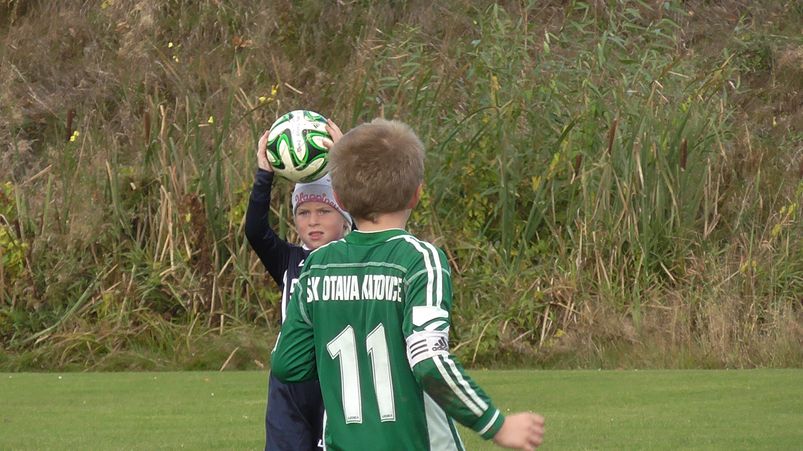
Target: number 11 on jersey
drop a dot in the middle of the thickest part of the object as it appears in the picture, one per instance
(344, 347)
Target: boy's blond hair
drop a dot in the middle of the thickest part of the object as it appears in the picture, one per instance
(377, 168)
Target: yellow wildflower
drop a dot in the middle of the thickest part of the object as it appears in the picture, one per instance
(262, 99)
(536, 181)
(776, 230)
(211, 120)
(553, 164)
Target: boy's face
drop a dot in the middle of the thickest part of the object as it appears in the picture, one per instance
(318, 223)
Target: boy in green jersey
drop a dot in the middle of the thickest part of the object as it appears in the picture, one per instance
(370, 316)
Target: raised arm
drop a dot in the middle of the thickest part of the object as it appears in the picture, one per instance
(272, 250)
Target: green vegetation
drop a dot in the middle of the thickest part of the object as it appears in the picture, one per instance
(617, 184)
(749, 409)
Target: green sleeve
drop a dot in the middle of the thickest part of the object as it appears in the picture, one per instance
(428, 298)
(293, 360)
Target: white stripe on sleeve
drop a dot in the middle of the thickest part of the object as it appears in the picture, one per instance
(477, 410)
(434, 278)
(490, 423)
(469, 391)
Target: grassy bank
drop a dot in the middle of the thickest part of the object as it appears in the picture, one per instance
(616, 184)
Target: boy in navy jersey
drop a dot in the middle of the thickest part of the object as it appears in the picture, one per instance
(295, 411)
(371, 313)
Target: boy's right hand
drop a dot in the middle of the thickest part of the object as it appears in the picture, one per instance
(523, 430)
(262, 153)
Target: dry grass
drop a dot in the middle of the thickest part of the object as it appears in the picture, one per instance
(615, 184)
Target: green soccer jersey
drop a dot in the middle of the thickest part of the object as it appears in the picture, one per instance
(371, 316)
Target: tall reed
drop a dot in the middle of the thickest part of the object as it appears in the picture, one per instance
(591, 177)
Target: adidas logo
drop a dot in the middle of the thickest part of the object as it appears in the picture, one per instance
(440, 345)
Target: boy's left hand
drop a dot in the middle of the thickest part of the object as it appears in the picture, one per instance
(334, 132)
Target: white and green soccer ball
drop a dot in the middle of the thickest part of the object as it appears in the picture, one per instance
(296, 147)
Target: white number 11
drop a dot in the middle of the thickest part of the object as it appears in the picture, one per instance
(344, 346)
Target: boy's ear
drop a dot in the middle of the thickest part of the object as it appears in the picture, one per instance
(416, 197)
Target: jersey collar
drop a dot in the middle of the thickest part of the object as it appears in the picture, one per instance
(365, 238)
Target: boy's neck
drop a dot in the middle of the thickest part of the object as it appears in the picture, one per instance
(384, 221)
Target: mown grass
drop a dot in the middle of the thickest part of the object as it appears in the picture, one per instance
(616, 184)
(746, 409)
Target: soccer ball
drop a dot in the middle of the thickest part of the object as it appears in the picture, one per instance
(296, 148)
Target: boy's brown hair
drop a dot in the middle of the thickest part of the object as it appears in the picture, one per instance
(376, 168)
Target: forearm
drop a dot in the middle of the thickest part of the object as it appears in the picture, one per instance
(256, 217)
(444, 379)
(272, 250)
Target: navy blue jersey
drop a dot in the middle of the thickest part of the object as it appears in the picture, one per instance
(295, 411)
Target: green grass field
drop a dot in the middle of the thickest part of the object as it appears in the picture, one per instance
(746, 409)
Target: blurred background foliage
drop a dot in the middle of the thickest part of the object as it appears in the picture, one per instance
(616, 183)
